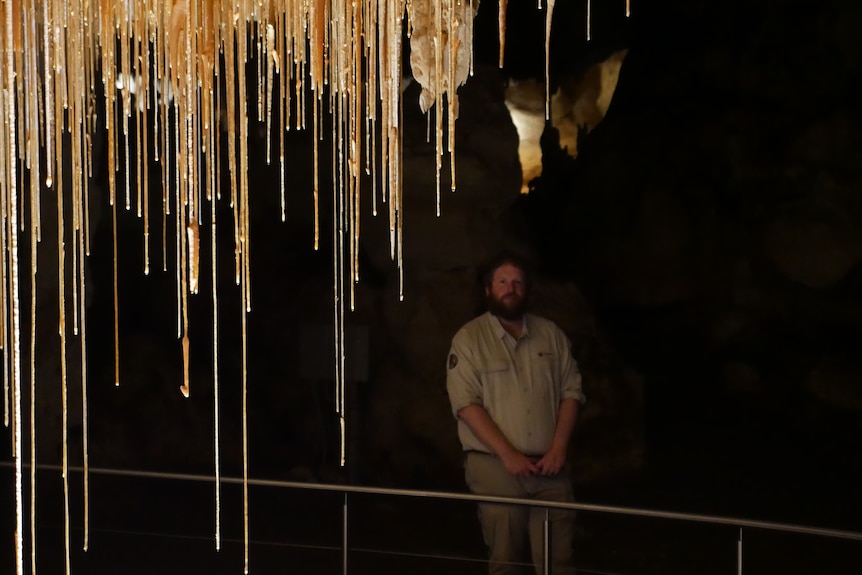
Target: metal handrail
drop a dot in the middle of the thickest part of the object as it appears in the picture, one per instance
(418, 493)
(346, 490)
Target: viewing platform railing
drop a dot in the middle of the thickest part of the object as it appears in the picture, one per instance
(741, 527)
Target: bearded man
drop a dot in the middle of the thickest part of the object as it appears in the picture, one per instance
(515, 391)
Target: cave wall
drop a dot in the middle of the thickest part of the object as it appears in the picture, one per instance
(712, 219)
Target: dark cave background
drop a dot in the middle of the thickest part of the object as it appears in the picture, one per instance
(703, 252)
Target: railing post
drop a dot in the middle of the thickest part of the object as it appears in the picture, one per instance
(739, 553)
(344, 538)
(547, 541)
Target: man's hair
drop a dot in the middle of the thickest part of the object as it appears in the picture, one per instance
(512, 259)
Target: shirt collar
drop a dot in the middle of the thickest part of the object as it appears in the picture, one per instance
(500, 331)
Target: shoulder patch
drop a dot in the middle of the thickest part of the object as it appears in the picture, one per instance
(453, 360)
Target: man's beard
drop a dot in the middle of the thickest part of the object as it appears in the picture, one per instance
(508, 308)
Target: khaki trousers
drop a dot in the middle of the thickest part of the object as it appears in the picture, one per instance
(508, 528)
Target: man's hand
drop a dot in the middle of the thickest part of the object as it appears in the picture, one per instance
(552, 462)
(519, 464)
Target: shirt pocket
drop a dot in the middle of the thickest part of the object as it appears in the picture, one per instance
(494, 372)
(494, 365)
(544, 368)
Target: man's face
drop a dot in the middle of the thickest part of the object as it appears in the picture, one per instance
(507, 294)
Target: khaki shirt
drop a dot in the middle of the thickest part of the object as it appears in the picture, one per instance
(519, 383)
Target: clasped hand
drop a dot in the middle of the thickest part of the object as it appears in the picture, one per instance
(520, 465)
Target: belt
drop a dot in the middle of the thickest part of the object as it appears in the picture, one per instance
(527, 455)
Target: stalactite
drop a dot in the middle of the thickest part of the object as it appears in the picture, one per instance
(548, 18)
(160, 68)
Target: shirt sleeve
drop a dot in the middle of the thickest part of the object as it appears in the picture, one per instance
(462, 377)
(570, 376)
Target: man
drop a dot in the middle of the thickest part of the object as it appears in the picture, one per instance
(515, 391)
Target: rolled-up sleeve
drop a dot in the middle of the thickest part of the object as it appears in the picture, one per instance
(570, 376)
(462, 376)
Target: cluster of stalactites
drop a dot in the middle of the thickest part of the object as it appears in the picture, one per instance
(173, 79)
(173, 76)
(161, 64)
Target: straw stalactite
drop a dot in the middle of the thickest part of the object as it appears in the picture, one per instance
(167, 79)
